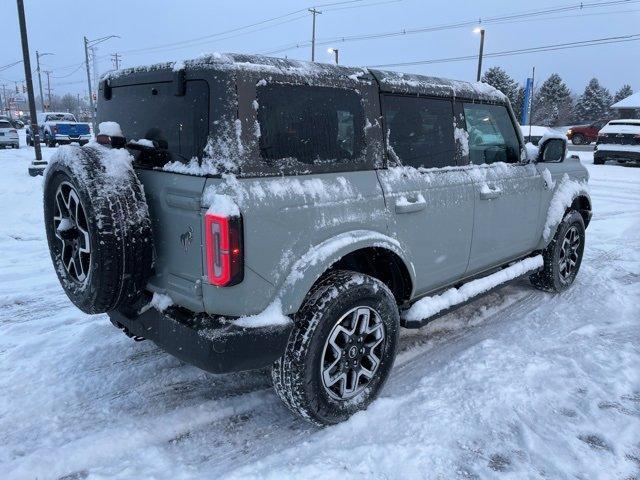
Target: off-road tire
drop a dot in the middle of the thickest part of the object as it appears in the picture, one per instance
(578, 139)
(549, 278)
(297, 375)
(117, 220)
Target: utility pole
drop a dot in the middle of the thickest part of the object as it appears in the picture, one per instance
(37, 166)
(38, 55)
(481, 32)
(47, 73)
(533, 89)
(115, 58)
(87, 45)
(2, 99)
(314, 12)
(86, 59)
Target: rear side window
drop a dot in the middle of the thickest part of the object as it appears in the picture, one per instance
(178, 124)
(309, 125)
(492, 137)
(420, 131)
(5, 125)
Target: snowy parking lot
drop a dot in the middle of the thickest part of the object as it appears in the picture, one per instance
(517, 384)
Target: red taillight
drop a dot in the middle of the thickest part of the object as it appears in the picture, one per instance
(223, 239)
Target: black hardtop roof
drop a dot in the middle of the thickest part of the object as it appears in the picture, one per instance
(318, 73)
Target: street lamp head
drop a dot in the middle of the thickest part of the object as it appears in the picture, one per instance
(332, 50)
(478, 30)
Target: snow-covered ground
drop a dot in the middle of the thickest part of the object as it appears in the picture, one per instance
(518, 384)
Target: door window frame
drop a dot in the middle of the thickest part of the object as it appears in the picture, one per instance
(514, 124)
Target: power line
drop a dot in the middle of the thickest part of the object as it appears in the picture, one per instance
(456, 25)
(207, 38)
(521, 51)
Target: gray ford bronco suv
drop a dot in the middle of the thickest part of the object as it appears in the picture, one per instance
(245, 212)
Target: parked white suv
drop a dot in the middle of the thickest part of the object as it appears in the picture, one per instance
(8, 135)
(618, 140)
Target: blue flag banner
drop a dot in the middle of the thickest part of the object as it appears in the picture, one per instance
(526, 105)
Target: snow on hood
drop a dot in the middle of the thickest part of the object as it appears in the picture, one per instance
(621, 128)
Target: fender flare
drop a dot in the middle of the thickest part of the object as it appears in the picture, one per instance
(318, 258)
(563, 198)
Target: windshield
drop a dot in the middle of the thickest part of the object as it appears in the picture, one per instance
(60, 117)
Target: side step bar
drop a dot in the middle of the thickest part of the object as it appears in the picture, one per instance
(430, 308)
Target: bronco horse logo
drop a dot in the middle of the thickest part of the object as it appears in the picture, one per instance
(186, 238)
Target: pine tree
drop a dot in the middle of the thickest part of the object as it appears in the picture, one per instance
(624, 92)
(498, 78)
(554, 106)
(593, 105)
(518, 105)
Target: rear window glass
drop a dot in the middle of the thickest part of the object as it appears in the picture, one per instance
(177, 124)
(310, 125)
(60, 117)
(420, 131)
(5, 125)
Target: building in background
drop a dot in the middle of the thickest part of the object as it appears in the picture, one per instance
(628, 107)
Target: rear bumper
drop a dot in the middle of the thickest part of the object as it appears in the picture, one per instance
(67, 138)
(616, 155)
(213, 344)
(8, 141)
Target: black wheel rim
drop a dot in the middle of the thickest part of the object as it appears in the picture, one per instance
(569, 254)
(71, 230)
(352, 353)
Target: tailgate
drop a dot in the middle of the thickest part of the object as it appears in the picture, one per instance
(174, 207)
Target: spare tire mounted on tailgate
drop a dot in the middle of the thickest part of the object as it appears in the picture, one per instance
(98, 227)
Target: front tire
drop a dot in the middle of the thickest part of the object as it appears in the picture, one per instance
(598, 160)
(578, 139)
(341, 349)
(563, 256)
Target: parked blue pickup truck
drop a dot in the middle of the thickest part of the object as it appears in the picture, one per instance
(60, 128)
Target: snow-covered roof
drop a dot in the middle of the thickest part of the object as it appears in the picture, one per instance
(394, 82)
(632, 101)
(411, 83)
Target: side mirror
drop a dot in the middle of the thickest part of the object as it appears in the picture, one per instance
(552, 150)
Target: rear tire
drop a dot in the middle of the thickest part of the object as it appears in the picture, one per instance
(98, 230)
(598, 161)
(563, 256)
(332, 367)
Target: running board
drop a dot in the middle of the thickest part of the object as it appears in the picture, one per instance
(430, 308)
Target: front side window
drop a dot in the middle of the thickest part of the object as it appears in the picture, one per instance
(309, 125)
(492, 137)
(420, 131)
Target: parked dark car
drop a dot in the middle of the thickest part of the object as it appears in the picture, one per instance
(584, 134)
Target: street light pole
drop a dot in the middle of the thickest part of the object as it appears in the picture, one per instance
(37, 166)
(314, 12)
(481, 32)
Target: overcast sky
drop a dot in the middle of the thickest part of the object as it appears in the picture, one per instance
(58, 28)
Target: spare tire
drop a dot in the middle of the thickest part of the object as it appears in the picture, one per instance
(98, 227)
